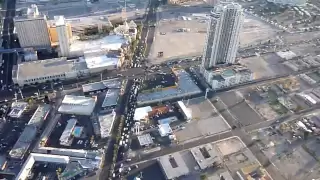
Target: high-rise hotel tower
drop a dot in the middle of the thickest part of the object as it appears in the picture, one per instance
(222, 39)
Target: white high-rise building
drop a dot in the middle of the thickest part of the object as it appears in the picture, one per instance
(223, 35)
(63, 37)
(32, 30)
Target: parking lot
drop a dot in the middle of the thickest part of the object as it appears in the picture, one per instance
(206, 121)
(239, 110)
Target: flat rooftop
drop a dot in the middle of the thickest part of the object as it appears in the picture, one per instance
(39, 115)
(17, 109)
(65, 136)
(48, 67)
(49, 158)
(79, 105)
(23, 143)
(145, 140)
(173, 165)
(111, 98)
(110, 84)
(112, 42)
(106, 123)
(102, 61)
(205, 155)
(185, 86)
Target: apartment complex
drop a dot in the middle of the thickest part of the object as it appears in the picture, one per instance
(222, 38)
(32, 29)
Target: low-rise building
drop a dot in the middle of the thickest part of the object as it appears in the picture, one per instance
(74, 166)
(63, 68)
(106, 123)
(17, 108)
(77, 105)
(173, 165)
(187, 113)
(145, 140)
(102, 86)
(66, 138)
(206, 156)
(40, 115)
(227, 77)
(23, 143)
(34, 72)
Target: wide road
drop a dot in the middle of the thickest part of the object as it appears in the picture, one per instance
(8, 43)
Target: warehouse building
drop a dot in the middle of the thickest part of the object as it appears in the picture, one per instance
(77, 105)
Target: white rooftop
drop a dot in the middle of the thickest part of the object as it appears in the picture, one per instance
(164, 129)
(33, 157)
(101, 61)
(145, 140)
(286, 54)
(112, 42)
(106, 122)
(79, 105)
(205, 155)
(39, 115)
(48, 67)
(65, 136)
(141, 113)
(17, 109)
(60, 21)
(173, 165)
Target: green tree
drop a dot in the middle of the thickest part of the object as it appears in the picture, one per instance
(203, 177)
